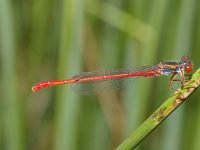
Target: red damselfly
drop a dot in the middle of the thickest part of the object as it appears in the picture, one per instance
(104, 81)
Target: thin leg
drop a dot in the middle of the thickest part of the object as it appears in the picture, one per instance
(182, 78)
(171, 80)
(189, 75)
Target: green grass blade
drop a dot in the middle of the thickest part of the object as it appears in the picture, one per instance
(69, 62)
(128, 24)
(9, 98)
(161, 113)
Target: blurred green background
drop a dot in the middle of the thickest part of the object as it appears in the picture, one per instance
(55, 39)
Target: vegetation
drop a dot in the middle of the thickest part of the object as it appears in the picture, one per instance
(43, 40)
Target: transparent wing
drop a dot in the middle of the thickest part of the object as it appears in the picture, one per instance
(104, 85)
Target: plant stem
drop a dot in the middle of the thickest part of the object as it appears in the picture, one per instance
(161, 113)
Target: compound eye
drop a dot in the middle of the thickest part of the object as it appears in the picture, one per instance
(188, 68)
